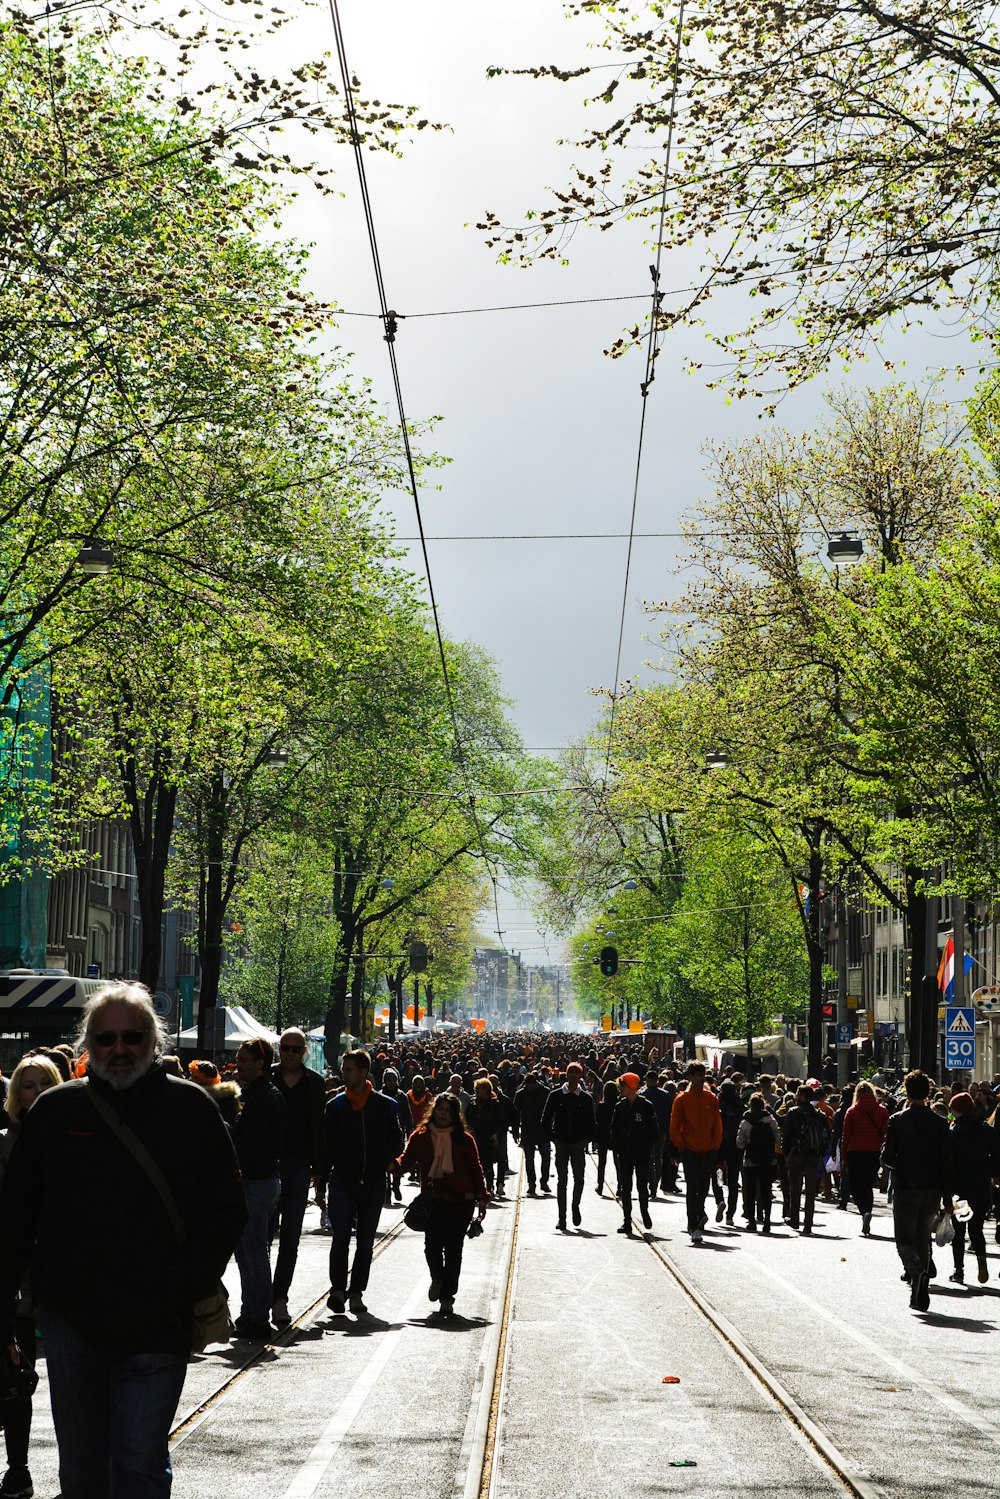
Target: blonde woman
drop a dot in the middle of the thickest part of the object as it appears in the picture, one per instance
(32, 1076)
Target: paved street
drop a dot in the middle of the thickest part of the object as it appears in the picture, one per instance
(398, 1402)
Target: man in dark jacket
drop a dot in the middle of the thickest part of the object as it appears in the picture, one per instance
(257, 1134)
(391, 1089)
(485, 1119)
(115, 1286)
(529, 1102)
(804, 1139)
(301, 1161)
(661, 1108)
(634, 1132)
(362, 1138)
(570, 1121)
(918, 1148)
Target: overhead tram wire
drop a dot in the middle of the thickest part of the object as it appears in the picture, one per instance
(651, 351)
(390, 325)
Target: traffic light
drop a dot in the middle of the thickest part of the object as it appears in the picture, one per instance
(609, 961)
(418, 957)
(829, 1012)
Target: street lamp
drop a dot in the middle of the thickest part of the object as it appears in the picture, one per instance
(845, 548)
(717, 759)
(277, 756)
(388, 884)
(630, 885)
(94, 558)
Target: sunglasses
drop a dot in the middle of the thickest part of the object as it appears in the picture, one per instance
(130, 1038)
(291, 1048)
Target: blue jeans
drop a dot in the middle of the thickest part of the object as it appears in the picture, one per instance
(253, 1256)
(112, 1416)
(358, 1206)
(295, 1179)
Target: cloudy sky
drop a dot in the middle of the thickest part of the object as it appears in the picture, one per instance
(540, 426)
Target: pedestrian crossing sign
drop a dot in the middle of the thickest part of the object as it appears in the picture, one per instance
(960, 1038)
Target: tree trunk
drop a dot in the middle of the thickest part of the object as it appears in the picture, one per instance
(357, 986)
(151, 824)
(280, 986)
(921, 1018)
(815, 948)
(211, 911)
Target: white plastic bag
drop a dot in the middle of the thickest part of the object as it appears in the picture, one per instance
(944, 1230)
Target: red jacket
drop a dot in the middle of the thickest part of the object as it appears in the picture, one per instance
(465, 1184)
(865, 1124)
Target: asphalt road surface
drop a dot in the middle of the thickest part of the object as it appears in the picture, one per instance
(792, 1366)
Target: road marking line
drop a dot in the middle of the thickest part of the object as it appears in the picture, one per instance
(957, 1407)
(310, 1475)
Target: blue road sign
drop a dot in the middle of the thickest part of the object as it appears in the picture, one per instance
(960, 1038)
(844, 1034)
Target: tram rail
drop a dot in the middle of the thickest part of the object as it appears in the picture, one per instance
(482, 1446)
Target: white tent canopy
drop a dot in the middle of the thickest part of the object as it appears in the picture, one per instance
(789, 1057)
(240, 1027)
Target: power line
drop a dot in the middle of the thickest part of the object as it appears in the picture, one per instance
(513, 306)
(576, 536)
(389, 321)
(651, 352)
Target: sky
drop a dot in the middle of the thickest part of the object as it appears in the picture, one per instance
(540, 427)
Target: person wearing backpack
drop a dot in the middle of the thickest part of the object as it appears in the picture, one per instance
(804, 1139)
(757, 1137)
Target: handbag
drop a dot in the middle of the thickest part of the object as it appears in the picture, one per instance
(210, 1319)
(417, 1215)
(943, 1230)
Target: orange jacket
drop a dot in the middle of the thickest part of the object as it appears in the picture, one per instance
(695, 1121)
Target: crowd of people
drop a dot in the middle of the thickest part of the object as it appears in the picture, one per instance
(163, 1183)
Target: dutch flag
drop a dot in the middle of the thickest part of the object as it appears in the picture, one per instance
(946, 971)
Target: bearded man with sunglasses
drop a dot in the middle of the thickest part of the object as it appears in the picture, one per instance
(123, 1196)
(301, 1163)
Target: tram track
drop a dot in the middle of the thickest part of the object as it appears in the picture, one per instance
(199, 1413)
(482, 1444)
(817, 1439)
(478, 1469)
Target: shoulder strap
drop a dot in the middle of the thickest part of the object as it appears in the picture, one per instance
(138, 1151)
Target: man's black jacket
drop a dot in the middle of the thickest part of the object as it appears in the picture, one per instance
(918, 1148)
(528, 1106)
(315, 1103)
(359, 1144)
(634, 1130)
(78, 1207)
(259, 1132)
(569, 1118)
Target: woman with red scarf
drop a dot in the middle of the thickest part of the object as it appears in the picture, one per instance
(445, 1155)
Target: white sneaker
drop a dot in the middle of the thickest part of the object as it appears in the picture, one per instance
(696, 1236)
(279, 1313)
(357, 1304)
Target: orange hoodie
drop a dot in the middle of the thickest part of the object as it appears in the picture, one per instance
(695, 1121)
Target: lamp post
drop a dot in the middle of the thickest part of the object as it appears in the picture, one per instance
(841, 548)
(94, 558)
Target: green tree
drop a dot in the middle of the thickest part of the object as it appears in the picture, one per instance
(735, 936)
(834, 163)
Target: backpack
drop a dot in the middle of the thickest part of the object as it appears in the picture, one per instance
(760, 1146)
(814, 1134)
